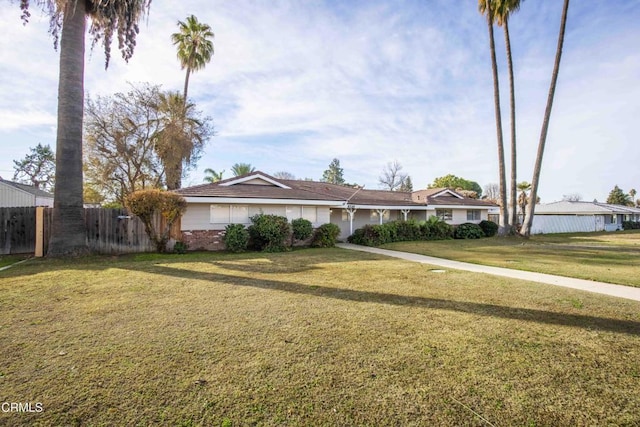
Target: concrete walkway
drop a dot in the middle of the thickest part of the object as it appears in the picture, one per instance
(620, 291)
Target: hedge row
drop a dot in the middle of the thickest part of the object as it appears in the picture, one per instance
(432, 229)
(273, 233)
(631, 225)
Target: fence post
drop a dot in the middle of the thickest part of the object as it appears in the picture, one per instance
(39, 249)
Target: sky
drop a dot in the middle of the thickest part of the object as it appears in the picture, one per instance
(294, 84)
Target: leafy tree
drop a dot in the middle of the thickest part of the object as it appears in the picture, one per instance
(504, 218)
(502, 10)
(133, 143)
(453, 182)
(632, 195)
(37, 168)
(68, 21)
(284, 175)
(335, 174)
(407, 185)
(528, 221)
(195, 48)
(392, 178)
(181, 136)
(146, 204)
(213, 176)
(242, 169)
(120, 150)
(619, 197)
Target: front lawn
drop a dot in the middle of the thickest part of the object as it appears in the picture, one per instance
(310, 337)
(605, 257)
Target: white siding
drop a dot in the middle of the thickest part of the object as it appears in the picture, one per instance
(547, 224)
(44, 201)
(198, 215)
(13, 197)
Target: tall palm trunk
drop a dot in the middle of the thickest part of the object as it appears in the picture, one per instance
(513, 218)
(526, 226)
(504, 218)
(174, 173)
(68, 230)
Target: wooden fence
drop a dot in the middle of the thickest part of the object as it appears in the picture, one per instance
(17, 230)
(109, 231)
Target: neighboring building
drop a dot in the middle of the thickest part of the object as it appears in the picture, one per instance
(211, 207)
(575, 217)
(13, 194)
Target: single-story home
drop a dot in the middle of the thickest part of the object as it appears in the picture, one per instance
(575, 217)
(14, 194)
(211, 207)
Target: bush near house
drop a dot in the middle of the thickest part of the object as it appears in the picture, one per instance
(236, 238)
(489, 228)
(631, 225)
(269, 233)
(326, 236)
(302, 229)
(399, 231)
(468, 231)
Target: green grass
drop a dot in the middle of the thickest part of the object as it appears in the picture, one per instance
(604, 257)
(6, 260)
(310, 337)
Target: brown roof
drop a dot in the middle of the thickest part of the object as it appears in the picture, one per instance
(314, 190)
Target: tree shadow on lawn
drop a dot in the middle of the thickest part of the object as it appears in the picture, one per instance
(492, 310)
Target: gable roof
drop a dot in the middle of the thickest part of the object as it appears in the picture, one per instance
(259, 185)
(27, 189)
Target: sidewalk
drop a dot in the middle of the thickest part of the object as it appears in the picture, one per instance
(620, 291)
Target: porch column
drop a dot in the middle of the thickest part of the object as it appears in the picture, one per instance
(351, 210)
(381, 214)
(405, 212)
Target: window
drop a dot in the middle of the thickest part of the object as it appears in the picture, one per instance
(310, 213)
(239, 214)
(219, 214)
(473, 215)
(444, 214)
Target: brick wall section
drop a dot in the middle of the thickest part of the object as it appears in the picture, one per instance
(204, 240)
(213, 240)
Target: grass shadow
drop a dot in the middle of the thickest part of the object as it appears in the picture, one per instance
(482, 309)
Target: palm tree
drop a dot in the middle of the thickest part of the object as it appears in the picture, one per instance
(181, 137)
(485, 6)
(528, 220)
(194, 47)
(68, 21)
(242, 169)
(523, 197)
(213, 175)
(502, 11)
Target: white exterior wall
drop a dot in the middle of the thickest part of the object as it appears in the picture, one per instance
(13, 197)
(548, 224)
(198, 215)
(44, 201)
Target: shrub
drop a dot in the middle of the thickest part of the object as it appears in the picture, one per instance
(468, 231)
(302, 229)
(630, 225)
(146, 203)
(269, 233)
(435, 229)
(180, 248)
(407, 231)
(489, 228)
(236, 238)
(326, 236)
